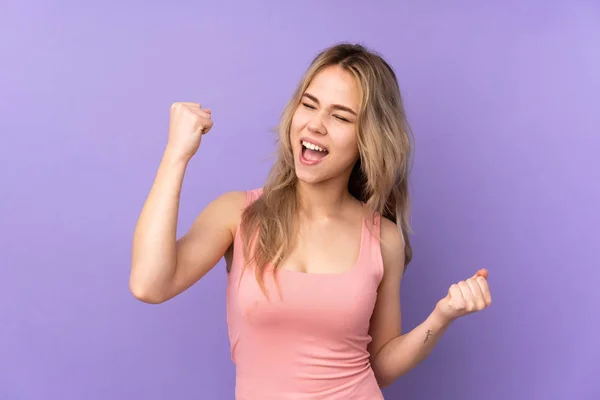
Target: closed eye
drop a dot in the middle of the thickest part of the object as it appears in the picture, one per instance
(338, 117)
(341, 118)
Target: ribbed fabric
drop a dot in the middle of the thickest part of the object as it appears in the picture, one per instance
(310, 343)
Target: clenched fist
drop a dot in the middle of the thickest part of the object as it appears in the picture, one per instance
(466, 297)
(188, 122)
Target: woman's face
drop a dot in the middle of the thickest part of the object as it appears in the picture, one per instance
(323, 130)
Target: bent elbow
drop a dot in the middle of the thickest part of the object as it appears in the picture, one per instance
(145, 294)
(383, 380)
(384, 384)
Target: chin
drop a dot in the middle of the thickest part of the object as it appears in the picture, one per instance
(305, 176)
(309, 179)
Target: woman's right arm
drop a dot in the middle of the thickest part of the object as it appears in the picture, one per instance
(162, 266)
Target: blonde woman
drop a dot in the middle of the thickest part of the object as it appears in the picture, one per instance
(314, 258)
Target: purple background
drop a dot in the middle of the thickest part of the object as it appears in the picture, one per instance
(504, 102)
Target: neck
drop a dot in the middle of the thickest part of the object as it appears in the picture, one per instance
(323, 199)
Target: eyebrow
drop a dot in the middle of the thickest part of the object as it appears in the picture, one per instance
(335, 106)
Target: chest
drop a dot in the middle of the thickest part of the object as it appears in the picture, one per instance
(327, 248)
(335, 305)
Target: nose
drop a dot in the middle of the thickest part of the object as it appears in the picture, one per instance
(317, 126)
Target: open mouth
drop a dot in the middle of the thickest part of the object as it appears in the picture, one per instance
(311, 153)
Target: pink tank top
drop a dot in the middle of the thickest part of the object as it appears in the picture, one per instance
(310, 343)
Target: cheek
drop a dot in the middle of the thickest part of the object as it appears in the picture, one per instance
(297, 122)
(349, 144)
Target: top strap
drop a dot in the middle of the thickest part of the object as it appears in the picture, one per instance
(252, 195)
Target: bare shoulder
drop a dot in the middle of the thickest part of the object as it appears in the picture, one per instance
(228, 207)
(222, 214)
(234, 200)
(392, 248)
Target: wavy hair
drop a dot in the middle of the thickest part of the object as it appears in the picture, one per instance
(379, 178)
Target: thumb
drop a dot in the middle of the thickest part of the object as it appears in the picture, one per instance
(482, 272)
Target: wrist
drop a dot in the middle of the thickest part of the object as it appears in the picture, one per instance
(171, 157)
(440, 319)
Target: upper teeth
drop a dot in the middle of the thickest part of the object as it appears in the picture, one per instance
(311, 146)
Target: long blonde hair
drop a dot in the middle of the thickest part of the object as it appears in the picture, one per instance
(379, 178)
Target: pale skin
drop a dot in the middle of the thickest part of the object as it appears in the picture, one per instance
(163, 267)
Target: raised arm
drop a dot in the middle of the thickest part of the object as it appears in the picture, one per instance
(163, 266)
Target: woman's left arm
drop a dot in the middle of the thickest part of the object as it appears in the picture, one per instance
(393, 353)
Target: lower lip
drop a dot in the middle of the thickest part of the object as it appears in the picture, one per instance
(304, 161)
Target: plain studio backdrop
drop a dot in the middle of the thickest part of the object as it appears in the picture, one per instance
(503, 99)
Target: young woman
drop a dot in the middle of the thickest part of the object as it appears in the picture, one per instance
(316, 256)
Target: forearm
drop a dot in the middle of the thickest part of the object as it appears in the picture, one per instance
(154, 252)
(405, 352)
